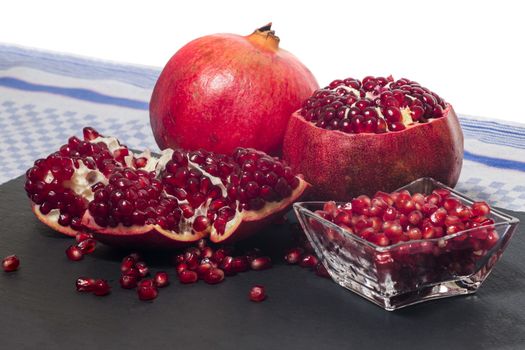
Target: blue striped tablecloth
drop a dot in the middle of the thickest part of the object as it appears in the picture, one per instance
(47, 97)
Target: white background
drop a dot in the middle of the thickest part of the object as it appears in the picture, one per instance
(469, 52)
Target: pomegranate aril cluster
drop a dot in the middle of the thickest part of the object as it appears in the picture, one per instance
(211, 266)
(46, 180)
(133, 197)
(373, 105)
(388, 219)
(247, 181)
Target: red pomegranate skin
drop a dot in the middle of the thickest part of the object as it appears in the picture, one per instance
(223, 91)
(341, 166)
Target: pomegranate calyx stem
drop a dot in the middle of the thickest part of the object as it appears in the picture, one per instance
(265, 38)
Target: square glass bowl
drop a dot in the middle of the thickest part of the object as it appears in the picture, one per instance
(410, 272)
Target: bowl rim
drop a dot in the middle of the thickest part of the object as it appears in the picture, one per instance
(300, 207)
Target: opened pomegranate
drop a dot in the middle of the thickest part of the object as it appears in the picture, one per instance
(98, 185)
(356, 137)
(223, 91)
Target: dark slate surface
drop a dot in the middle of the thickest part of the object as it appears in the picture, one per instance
(41, 309)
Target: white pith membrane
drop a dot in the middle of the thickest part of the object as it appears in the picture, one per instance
(373, 95)
(83, 178)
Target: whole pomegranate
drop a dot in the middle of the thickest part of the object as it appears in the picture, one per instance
(357, 137)
(223, 91)
(126, 199)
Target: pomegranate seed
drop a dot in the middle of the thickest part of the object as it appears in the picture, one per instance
(142, 268)
(82, 236)
(128, 282)
(181, 267)
(188, 276)
(293, 256)
(227, 266)
(261, 263)
(74, 253)
(214, 276)
(147, 290)
(308, 260)
(90, 134)
(257, 293)
(101, 287)
(161, 279)
(321, 271)
(480, 209)
(240, 264)
(85, 284)
(87, 246)
(201, 223)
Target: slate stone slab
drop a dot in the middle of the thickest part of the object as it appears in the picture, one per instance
(40, 309)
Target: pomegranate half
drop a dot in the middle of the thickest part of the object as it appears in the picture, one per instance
(124, 199)
(224, 91)
(358, 137)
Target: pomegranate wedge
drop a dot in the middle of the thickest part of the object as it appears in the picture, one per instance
(99, 185)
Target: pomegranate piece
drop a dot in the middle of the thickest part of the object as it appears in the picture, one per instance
(101, 287)
(403, 126)
(175, 200)
(74, 253)
(257, 293)
(10, 263)
(265, 70)
(161, 279)
(147, 290)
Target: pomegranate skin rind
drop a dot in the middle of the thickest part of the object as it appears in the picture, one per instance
(66, 230)
(223, 91)
(341, 166)
(251, 222)
(148, 236)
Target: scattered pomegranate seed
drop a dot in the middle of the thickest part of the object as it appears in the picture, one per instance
(321, 271)
(74, 253)
(128, 282)
(142, 268)
(293, 256)
(82, 236)
(101, 287)
(87, 246)
(308, 260)
(10, 263)
(85, 284)
(147, 290)
(214, 276)
(188, 276)
(261, 263)
(240, 264)
(257, 293)
(161, 279)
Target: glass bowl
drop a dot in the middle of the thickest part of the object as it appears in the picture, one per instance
(410, 272)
